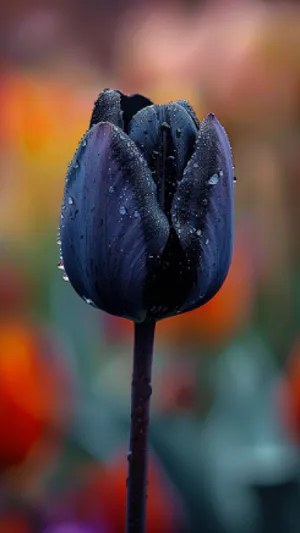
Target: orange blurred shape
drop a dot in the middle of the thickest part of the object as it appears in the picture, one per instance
(289, 394)
(107, 492)
(29, 391)
(218, 320)
(41, 131)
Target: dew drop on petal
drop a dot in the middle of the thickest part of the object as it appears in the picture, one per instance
(65, 277)
(70, 200)
(122, 210)
(213, 180)
(76, 164)
(58, 241)
(136, 214)
(221, 173)
(111, 189)
(199, 232)
(165, 126)
(234, 179)
(207, 241)
(83, 143)
(196, 165)
(60, 265)
(89, 301)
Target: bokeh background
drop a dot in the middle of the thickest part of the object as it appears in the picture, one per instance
(225, 431)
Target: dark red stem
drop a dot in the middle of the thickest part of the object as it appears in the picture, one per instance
(140, 415)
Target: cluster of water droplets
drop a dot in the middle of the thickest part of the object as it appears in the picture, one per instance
(69, 201)
(60, 264)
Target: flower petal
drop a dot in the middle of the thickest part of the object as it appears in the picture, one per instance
(107, 108)
(111, 222)
(202, 212)
(132, 104)
(117, 108)
(187, 106)
(166, 136)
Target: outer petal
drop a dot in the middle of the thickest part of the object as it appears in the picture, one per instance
(117, 108)
(107, 108)
(111, 222)
(202, 212)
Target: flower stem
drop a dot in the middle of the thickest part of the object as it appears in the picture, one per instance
(140, 415)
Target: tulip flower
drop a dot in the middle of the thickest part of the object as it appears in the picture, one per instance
(147, 216)
(146, 231)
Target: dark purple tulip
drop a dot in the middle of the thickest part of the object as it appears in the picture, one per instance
(147, 218)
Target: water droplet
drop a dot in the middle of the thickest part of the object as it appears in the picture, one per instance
(111, 189)
(165, 126)
(234, 179)
(60, 265)
(213, 180)
(192, 230)
(122, 210)
(136, 214)
(221, 173)
(76, 164)
(207, 241)
(178, 132)
(83, 143)
(171, 158)
(204, 202)
(70, 200)
(89, 301)
(65, 277)
(199, 232)
(58, 241)
(196, 165)
(128, 144)
(129, 457)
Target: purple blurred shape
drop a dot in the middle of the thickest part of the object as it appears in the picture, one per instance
(73, 527)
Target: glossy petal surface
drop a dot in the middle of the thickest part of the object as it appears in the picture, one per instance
(202, 213)
(112, 222)
(166, 136)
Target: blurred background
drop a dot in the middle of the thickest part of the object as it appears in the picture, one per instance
(225, 431)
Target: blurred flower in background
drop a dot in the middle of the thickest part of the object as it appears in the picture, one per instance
(225, 429)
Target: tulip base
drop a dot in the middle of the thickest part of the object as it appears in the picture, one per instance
(139, 428)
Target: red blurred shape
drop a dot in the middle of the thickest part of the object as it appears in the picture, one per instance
(107, 491)
(14, 524)
(30, 391)
(289, 395)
